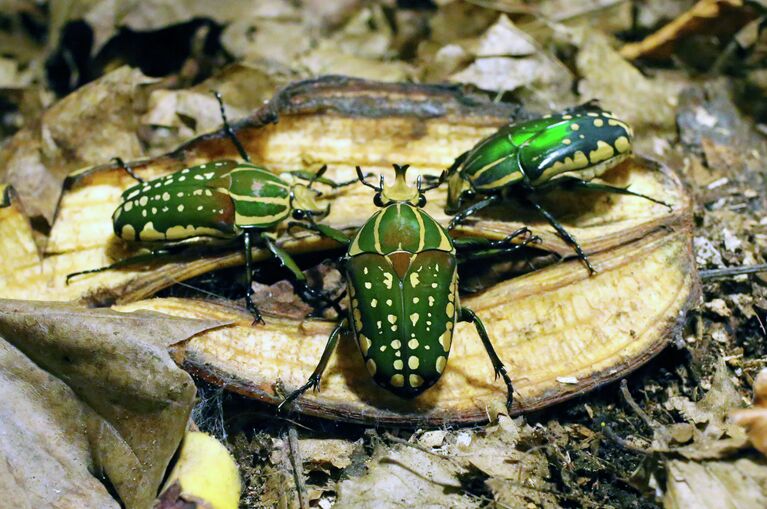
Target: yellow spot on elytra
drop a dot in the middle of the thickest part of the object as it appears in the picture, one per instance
(431, 300)
(622, 144)
(449, 325)
(180, 194)
(388, 302)
(368, 285)
(450, 309)
(128, 205)
(364, 344)
(603, 152)
(143, 201)
(412, 344)
(441, 362)
(397, 380)
(371, 365)
(415, 300)
(180, 208)
(398, 364)
(149, 233)
(592, 114)
(128, 232)
(413, 362)
(396, 344)
(374, 303)
(388, 280)
(415, 381)
(567, 141)
(414, 280)
(566, 117)
(166, 196)
(392, 318)
(446, 340)
(574, 127)
(599, 122)
(357, 319)
(414, 318)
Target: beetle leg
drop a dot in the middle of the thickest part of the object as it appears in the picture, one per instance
(128, 169)
(563, 234)
(605, 188)
(477, 249)
(228, 128)
(467, 315)
(314, 379)
(248, 242)
(127, 262)
(472, 209)
(318, 299)
(322, 229)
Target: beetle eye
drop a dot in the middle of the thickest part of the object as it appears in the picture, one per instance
(299, 214)
(377, 200)
(421, 201)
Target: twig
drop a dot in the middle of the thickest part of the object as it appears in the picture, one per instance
(298, 466)
(732, 271)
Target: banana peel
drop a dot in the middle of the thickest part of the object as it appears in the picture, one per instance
(560, 331)
(205, 475)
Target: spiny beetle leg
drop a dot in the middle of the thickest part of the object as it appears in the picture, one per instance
(128, 169)
(492, 249)
(572, 182)
(473, 209)
(312, 296)
(228, 128)
(314, 379)
(247, 240)
(322, 229)
(467, 315)
(127, 262)
(563, 234)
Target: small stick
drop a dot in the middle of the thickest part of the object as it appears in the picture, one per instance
(732, 271)
(298, 466)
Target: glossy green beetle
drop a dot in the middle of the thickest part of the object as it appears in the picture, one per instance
(565, 149)
(223, 199)
(401, 270)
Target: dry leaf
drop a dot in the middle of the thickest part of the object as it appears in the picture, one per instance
(651, 103)
(755, 419)
(741, 484)
(89, 390)
(90, 126)
(706, 17)
(506, 59)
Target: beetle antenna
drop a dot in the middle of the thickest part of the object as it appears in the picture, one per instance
(228, 128)
(362, 178)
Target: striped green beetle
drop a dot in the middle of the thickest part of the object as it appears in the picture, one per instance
(401, 269)
(223, 199)
(568, 149)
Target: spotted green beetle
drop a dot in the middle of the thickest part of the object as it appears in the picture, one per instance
(221, 199)
(568, 149)
(401, 269)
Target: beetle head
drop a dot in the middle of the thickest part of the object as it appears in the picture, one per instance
(303, 200)
(400, 191)
(457, 190)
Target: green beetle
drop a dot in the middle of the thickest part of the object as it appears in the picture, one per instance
(223, 199)
(568, 149)
(401, 269)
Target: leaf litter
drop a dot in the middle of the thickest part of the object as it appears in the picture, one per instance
(565, 456)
